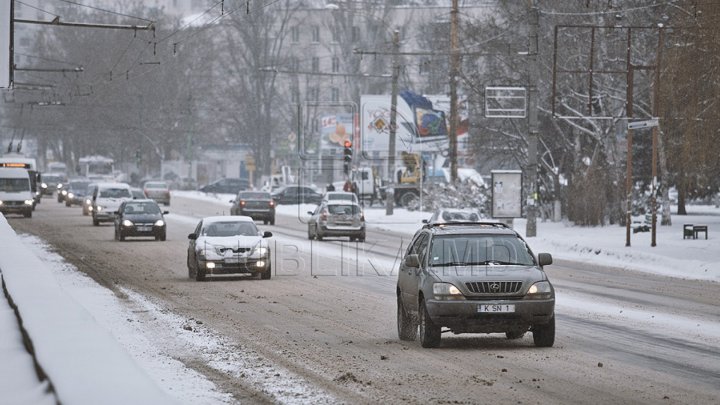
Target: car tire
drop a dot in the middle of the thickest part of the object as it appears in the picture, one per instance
(272, 221)
(310, 235)
(163, 237)
(267, 274)
(27, 214)
(199, 273)
(407, 329)
(67, 203)
(95, 222)
(362, 238)
(429, 332)
(265, 221)
(544, 335)
(115, 235)
(191, 273)
(122, 237)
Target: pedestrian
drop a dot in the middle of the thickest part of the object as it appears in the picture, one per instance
(347, 187)
(330, 187)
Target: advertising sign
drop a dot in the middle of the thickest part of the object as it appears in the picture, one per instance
(335, 130)
(506, 193)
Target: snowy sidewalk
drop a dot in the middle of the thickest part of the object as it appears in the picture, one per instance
(93, 369)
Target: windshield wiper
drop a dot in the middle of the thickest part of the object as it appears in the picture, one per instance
(460, 264)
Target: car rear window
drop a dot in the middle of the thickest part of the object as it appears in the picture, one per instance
(156, 185)
(339, 209)
(255, 196)
(115, 193)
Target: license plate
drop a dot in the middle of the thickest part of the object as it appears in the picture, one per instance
(144, 228)
(235, 260)
(496, 308)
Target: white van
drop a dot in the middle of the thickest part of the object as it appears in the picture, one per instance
(106, 199)
(15, 192)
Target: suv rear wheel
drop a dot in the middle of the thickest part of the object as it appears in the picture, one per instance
(544, 335)
(407, 329)
(429, 332)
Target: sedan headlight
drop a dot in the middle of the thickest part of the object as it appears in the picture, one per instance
(261, 251)
(71, 195)
(43, 185)
(99, 208)
(1, 203)
(126, 223)
(88, 201)
(59, 186)
(540, 290)
(29, 202)
(159, 222)
(447, 291)
(64, 192)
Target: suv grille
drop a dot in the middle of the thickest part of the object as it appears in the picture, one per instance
(494, 287)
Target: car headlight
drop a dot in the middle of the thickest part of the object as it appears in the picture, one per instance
(88, 201)
(540, 290)
(29, 202)
(64, 192)
(159, 222)
(99, 208)
(59, 186)
(43, 185)
(127, 223)
(71, 195)
(1, 203)
(447, 291)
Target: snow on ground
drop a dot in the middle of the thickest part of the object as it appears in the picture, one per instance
(139, 324)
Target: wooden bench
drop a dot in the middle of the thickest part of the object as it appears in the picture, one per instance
(688, 231)
(700, 228)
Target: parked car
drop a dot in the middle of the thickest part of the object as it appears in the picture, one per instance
(257, 205)
(337, 218)
(340, 195)
(228, 245)
(297, 195)
(474, 278)
(106, 199)
(51, 182)
(140, 218)
(158, 191)
(76, 191)
(226, 185)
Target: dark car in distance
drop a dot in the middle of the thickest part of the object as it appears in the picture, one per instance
(297, 195)
(226, 185)
(140, 218)
(77, 191)
(257, 205)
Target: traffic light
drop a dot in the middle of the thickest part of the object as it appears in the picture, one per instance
(347, 156)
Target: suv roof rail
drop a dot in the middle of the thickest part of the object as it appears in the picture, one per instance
(468, 223)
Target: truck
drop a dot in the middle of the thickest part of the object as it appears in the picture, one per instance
(367, 182)
(97, 167)
(20, 161)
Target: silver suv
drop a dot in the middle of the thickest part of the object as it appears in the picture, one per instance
(474, 277)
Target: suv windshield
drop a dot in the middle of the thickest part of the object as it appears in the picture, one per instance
(469, 250)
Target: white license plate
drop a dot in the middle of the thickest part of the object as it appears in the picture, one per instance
(496, 308)
(144, 228)
(235, 260)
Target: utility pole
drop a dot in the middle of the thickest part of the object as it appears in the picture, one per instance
(629, 136)
(454, 59)
(393, 119)
(531, 226)
(656, 101)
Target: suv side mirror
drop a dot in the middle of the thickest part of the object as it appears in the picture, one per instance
(192, 236)
(544, 259)
(412, 261)
(166, 212)
(267, 234)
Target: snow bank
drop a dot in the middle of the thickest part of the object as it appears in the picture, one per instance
(83, 362)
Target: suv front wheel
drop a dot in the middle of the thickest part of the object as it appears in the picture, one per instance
(429, 332)
(544, 335)
(407, 329)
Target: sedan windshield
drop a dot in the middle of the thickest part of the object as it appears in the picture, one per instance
(142, 208)
(470, 250)
(230, 229)
(115, 193)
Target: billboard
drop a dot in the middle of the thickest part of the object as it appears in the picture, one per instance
(5, 46)
(421, 126)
